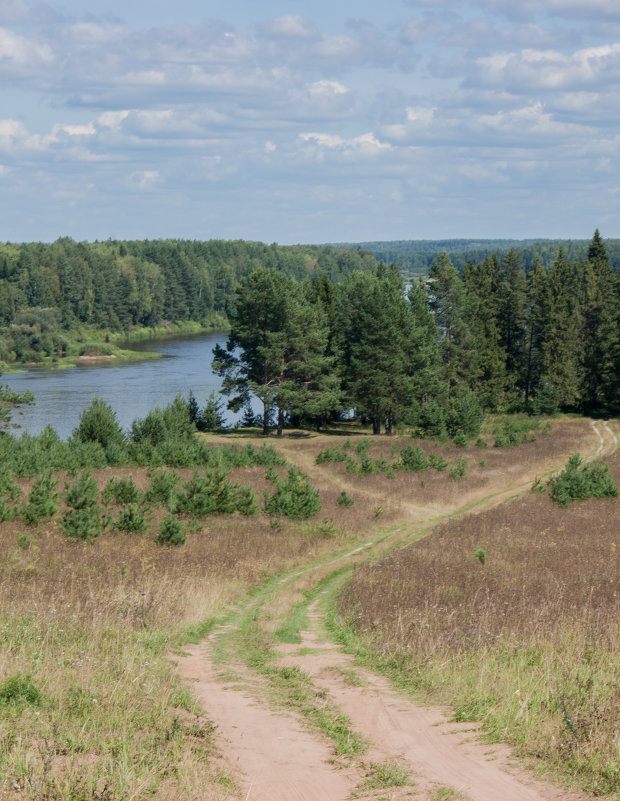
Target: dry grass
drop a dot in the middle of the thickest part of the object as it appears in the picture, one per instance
(512, 616)
(92, 624)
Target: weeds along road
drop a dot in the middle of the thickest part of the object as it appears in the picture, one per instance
(299, 721)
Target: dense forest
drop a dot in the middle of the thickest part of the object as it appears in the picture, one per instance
(491, 338)
(49, 290)
(415, 257)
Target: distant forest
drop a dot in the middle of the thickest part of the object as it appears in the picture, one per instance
(336, 327)
(435, 358)
(50, 291)
(415, 257)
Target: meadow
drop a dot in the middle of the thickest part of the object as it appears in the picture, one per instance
(90, 704)
(511, 617)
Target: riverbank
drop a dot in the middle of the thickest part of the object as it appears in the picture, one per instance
(104, 347)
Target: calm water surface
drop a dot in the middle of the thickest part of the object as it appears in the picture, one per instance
(130, 389)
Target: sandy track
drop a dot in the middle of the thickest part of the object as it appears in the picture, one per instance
(439, 752)
(275, 757)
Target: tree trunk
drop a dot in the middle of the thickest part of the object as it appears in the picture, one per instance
(280, 421)
(265, 419)
(376, 425)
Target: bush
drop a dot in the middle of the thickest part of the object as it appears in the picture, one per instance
(99, 423)
(131, 518)
(83, 520)
(294, 496)
(171, 532)
(19, 690)
(331, 454)
(41, 500)
(412, 457)
(163, 487)
(437, 461)
(121, 490)
(344, 499)
(579, 481)
(460, 469)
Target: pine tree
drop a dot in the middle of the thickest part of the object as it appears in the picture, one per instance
(560, 342)
(454, 310)
(375, 339)
(282, 339)
(512, 313)
(483, 281)
(600, 331)
(537, 308)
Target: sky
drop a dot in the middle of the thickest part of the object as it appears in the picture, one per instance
(292, 122)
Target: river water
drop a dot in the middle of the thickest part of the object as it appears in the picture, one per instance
(131, 389)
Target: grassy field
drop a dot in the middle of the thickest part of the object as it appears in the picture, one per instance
(90, 705)
(512, 617)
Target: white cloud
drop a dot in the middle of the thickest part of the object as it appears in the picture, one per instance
(22, 54)
(144, 179)
(551, 70)
(365, 144)
(327, 88)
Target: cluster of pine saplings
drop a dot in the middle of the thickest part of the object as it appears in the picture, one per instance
(88, 512)
(411, 459)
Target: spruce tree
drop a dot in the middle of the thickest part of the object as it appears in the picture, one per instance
(375, 339)
(512, 314)
(600, 331)
(483, 281)
(561, 362)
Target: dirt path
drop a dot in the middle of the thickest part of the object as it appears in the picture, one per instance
(276, 755)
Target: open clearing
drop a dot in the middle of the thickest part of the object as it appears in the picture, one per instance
(300, 721)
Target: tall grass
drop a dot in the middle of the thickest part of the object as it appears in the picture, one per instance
(526, 639)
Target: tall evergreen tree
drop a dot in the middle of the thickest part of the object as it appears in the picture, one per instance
(537, 309)
(281, 340)
(376, 345)
(483, 281)
(601, 339)
(561, 343)
(512, 313)
(454, 310)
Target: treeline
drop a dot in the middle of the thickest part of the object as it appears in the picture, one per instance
(50, 290)
(489, 339)
(415, 257)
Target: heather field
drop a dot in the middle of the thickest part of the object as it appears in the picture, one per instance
(512, 617)
(90, 704)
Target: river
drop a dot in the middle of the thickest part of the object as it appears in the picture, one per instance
(131, 389)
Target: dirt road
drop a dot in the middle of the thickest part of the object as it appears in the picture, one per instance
(268, 702)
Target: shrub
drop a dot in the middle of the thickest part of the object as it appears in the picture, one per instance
(121, 490)
(41, 499)
(412, 457)
(163, 487)
(460, 469)
(344, 499)
(437, 461)
(579, 481)
(171, 532)
(331, 454)
(83, 520)
(131, 518)
(245, 502)
(19, 690)
(293, 497)
(99, 423)
(211, 493)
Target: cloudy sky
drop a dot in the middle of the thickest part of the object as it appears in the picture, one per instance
(336, 120)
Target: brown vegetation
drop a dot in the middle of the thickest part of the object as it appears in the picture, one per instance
(512, 616)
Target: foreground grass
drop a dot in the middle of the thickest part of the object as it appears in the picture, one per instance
(512, 617)
(90, 705)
